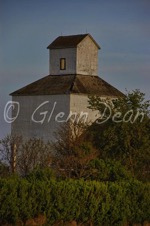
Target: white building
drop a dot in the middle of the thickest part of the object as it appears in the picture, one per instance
(73, 75)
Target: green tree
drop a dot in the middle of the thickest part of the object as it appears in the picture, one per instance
(122, 131)
(108, 170)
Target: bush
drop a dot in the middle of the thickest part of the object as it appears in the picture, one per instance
(9, 200)
(139, 196)
(4, 170)
(45, 174)
(108, 170)
(102, 203)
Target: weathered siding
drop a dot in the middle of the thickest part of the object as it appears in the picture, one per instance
(80, 60)
(87, 57)
(69, 54)
(79, 104)
(40, 117)
(24, 124)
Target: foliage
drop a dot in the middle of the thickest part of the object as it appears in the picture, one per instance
(28, 154)
(41, 174)
(67, 136)
(106, 156)
(72, 153)
(33, 153)
(101, 203)
(4, 170)
(108, 170)
(123, 133)
(6, 149)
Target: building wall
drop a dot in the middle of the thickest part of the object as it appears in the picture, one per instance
(56, 54)
(80, 60)
(45, 121)
(41, 116)
(87, 57)
(79, 104)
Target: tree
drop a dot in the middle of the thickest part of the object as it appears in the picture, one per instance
(108, 170)
(33, 153)
(72, 153)
(123, 132)
(7, 150)
(23, 156)
(4, 170)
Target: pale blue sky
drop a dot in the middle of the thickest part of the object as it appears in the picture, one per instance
(27, 27)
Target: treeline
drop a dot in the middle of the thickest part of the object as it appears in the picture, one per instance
(98, 203)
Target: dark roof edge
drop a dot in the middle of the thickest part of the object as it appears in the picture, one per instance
(13, 93)
(69, 88)
(50, 46)
(62, 47)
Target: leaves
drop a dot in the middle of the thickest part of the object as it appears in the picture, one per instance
(72, 153)
(33, 153)
(101, 203)
(125, 136)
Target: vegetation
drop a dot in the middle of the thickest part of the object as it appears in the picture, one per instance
(27, 156)
(98, 174)
(84, 201)
(125, 136)
(73, 154)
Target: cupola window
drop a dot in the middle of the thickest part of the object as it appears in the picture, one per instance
(62, 63)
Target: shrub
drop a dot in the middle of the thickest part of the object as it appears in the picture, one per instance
(108, 170)
(102, 203)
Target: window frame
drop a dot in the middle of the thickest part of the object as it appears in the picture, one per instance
(62, 63)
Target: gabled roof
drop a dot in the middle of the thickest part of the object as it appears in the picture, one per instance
(70, 41)
(69, 84)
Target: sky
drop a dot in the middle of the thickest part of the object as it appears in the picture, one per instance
(27, 27)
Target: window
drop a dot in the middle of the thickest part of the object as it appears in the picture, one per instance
(62, 63)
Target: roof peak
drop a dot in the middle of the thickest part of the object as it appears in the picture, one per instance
(69, 41)
(85, 34)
